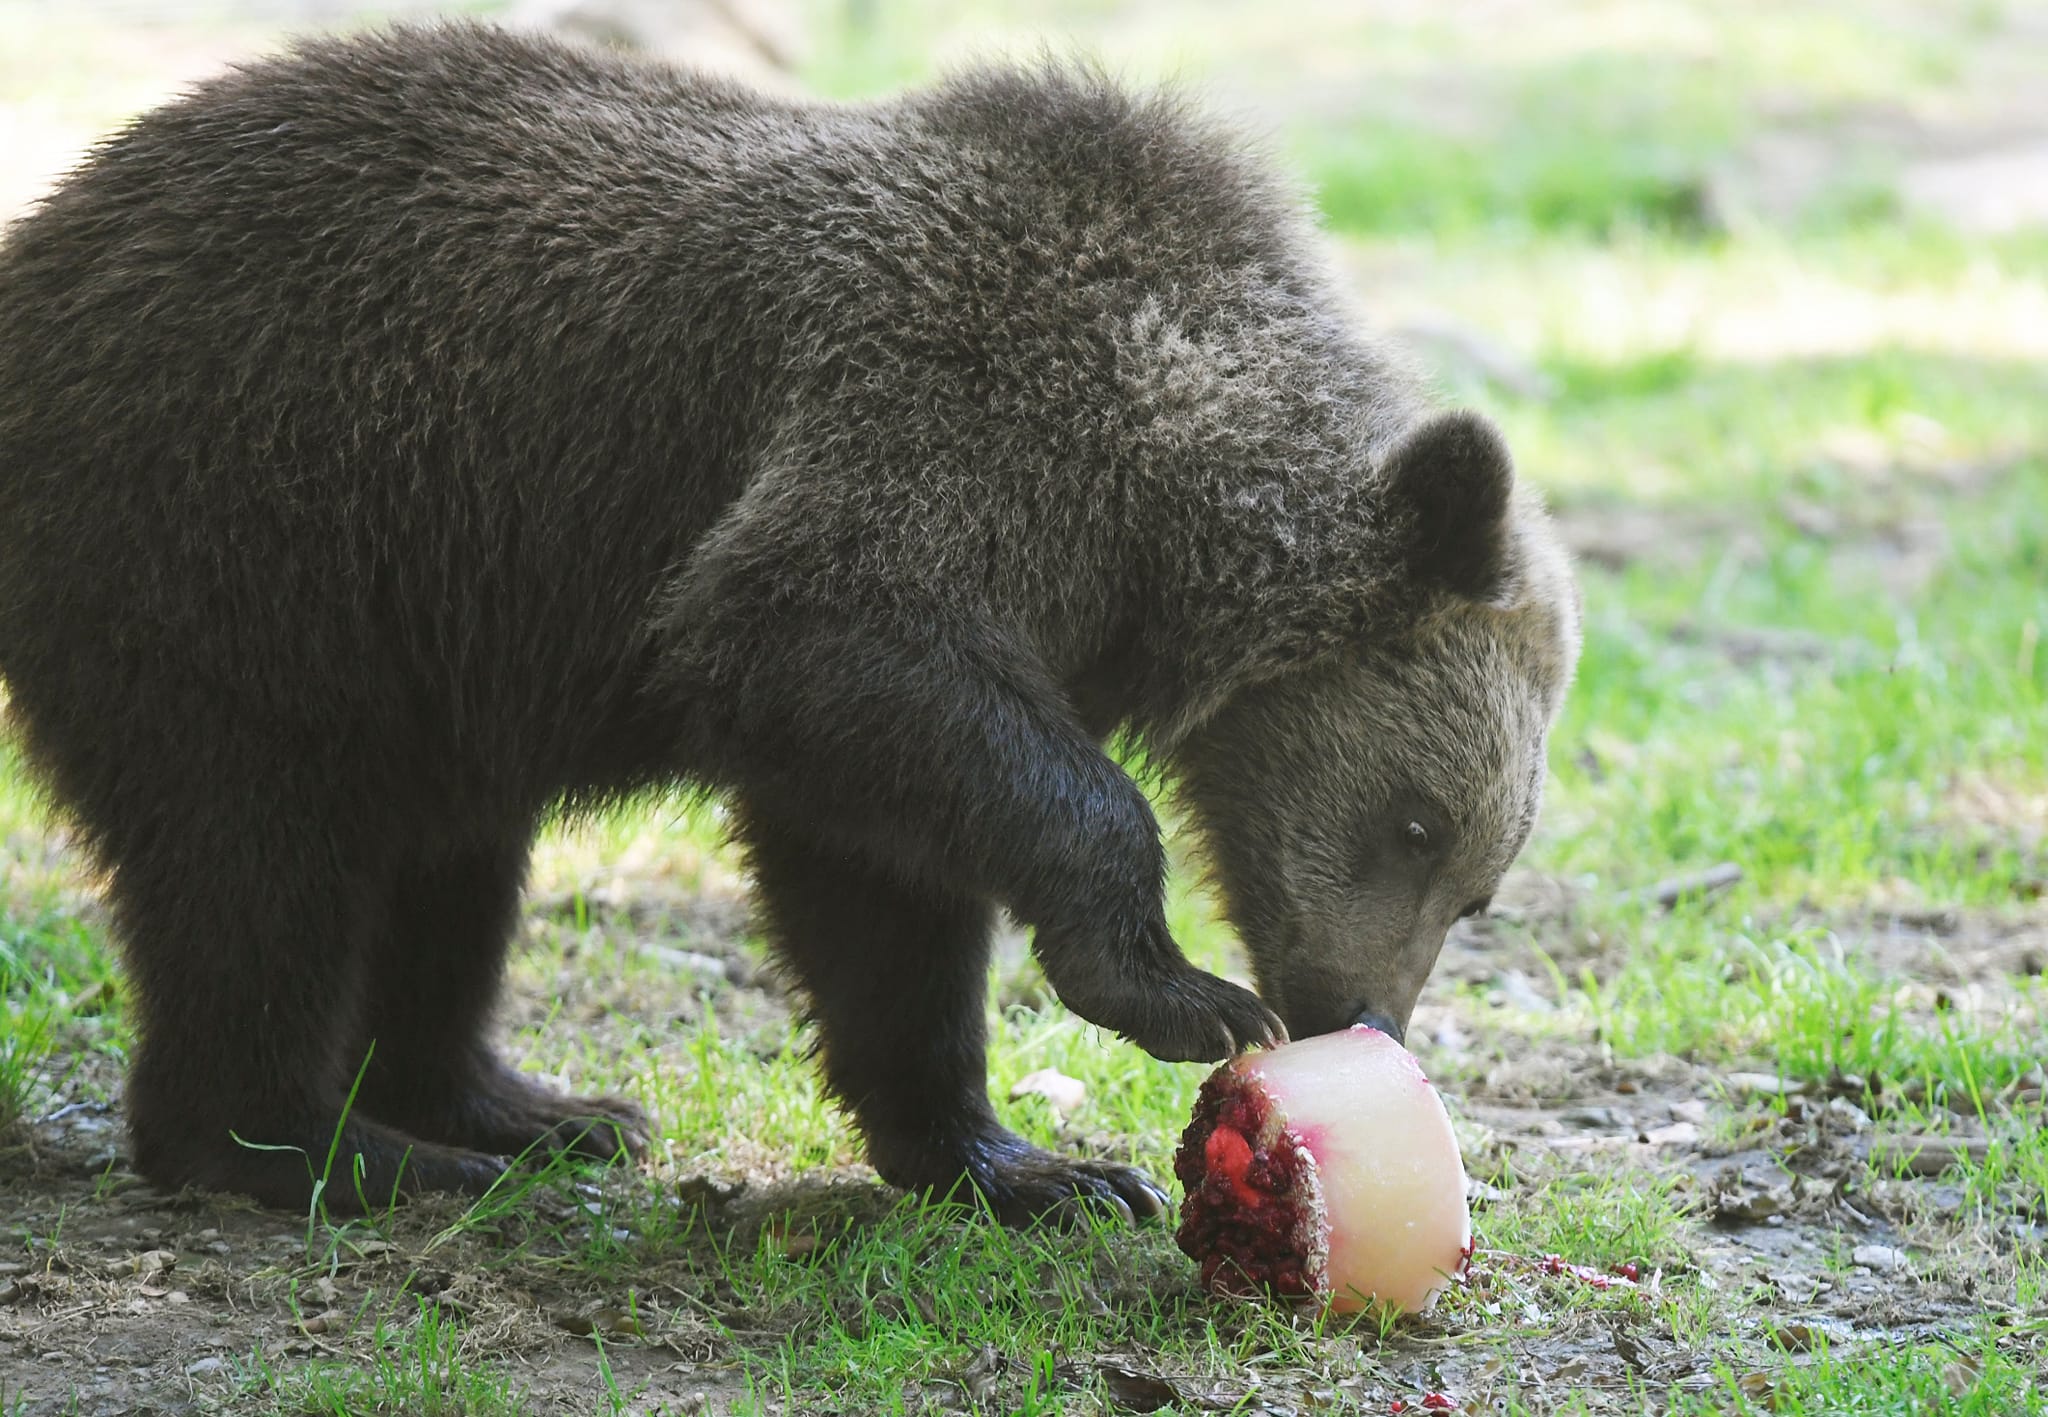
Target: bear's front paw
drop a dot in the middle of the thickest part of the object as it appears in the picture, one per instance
(1175, 1012)
(494, 1109)
(1023, 1184)
(1192, 1017)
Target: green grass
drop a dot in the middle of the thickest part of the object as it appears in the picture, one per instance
(1588, 148)
(1820, 653)
(417, 1368)
(1972, 1378)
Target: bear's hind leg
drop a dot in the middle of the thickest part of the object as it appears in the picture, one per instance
(246, 932)
(433, 980)
(897, 979)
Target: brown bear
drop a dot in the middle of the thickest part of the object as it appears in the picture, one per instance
(419, 434)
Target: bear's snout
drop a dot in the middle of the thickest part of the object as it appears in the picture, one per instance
(1373, 1018)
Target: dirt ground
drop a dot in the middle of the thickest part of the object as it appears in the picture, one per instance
(115, 1298)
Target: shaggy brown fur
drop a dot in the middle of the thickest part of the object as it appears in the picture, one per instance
(415, 435)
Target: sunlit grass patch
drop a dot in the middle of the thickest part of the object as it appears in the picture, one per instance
(27, 1043)
(1847, 441)
(1820, 760)
(1974, 1376)
(1590, 147)
(1804, 1003)
(748, 1104)
(1598, 1217)
(418, 1366)
(59, 1000)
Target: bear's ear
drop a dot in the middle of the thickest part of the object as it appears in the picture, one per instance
(1452, 475)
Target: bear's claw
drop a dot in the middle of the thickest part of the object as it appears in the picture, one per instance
(1020, 1184)
(1024, 1185)
(1152, 996)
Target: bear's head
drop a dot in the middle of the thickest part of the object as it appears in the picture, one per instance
(1358, 804)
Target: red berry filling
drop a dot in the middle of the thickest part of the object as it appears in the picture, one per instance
(1253, 1218)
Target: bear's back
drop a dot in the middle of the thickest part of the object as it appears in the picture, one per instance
(387, 384)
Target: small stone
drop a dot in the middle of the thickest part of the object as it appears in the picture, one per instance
(1603, 1118)
(1064, 1094)
(707, 968)
(1846, 1115)
(204, 1366)
(1762, 1085)
(1882, 1258)
(1797, 1287)
(1514, 989)
(1676, 1134)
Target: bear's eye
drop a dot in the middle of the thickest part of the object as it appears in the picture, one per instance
(1417, 836)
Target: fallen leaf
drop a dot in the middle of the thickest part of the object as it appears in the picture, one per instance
(706, 1192)
(1796, 1287)
(1796, 1337)
(1132, 1391)
(978, 1378)
(1960, 1377)
(93, 998)
(618, 1323)
(152, 1262)
(600, 1323)
(1762, 1085)
(1926, 1156)
(1676, 1134)
(1736, 1195)
(1064, 1094)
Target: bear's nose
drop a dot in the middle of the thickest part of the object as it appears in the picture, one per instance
(1384, 1024)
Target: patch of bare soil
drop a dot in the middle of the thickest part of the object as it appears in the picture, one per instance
(118, 1298)
(1820, 1215)
(115, 1298)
